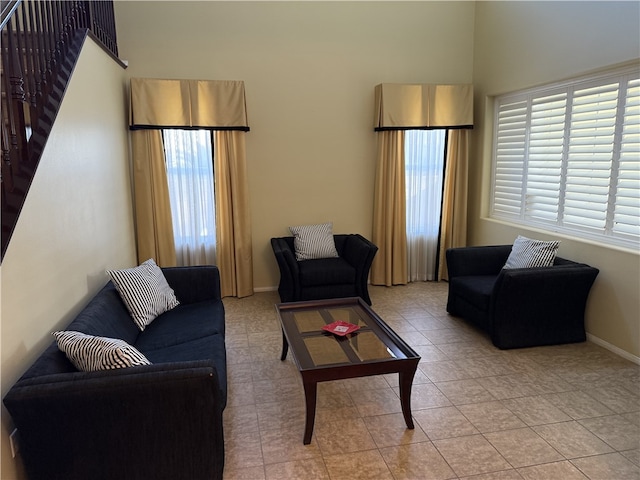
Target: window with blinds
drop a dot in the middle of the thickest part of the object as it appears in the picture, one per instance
(567, 157)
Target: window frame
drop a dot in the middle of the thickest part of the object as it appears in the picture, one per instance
(511, 205)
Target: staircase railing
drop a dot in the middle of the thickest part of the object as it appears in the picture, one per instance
(40, 43)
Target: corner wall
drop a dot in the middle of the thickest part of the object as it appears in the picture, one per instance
(523, 44)
(76, 222)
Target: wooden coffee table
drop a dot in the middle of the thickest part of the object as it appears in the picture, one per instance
(321, 356)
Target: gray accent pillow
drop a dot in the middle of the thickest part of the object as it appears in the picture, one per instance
(527, 253)
(89, 353)
(144, 291)
(314, 241)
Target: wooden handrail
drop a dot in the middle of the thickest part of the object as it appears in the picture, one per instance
(41, 41)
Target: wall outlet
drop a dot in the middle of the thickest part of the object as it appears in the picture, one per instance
(13, 440)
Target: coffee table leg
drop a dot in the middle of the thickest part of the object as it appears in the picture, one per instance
(285, 346)
(406, 381)
(310, 390)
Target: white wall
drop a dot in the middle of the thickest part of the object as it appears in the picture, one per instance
(310, 69)
(523, 44)
(77, 221)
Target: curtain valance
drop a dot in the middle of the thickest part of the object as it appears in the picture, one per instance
(406, 106)
(206, 104)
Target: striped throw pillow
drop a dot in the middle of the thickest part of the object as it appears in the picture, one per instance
(145, 292)
(314, 241)
(89, 353)
(527, 253)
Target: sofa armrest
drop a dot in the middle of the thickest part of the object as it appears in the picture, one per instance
(540, 306)
(481, 260)
(194, 284)
(160, 421)
(289, 271)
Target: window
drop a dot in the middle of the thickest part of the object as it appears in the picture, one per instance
(424, 170)
(189, 162)
(567, 158)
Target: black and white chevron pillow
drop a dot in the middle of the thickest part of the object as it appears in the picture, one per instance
(314, 241)
(89, 353)
(527, 253)
(145, 292)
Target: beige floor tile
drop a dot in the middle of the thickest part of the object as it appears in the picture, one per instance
(242, 450)
(376, 402)
(471, 455)
(444, 371)
(312, 469)
(564, 470)
(616, 431)
(572, 440)
(366, 465)
(444, 422)
(391, 430)
(510, 474)
(244, 473)
(607, 467)
(535, 410)
(523, 447)
(633, 456)
(506, 386)
(285, 445)
(427, 396)
(491, 416)
(578, 404)
(460, 392)
(416, 461)
(346, 436)
(617, 398)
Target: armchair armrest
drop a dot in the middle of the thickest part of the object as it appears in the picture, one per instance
(159, 421)
(540, 306)
(194, 284)
(359, 252)
(289, 271)
(481, 260)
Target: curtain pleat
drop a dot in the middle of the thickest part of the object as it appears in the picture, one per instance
(234, 248)
(389, 221)
(454, 205)
(152, 207)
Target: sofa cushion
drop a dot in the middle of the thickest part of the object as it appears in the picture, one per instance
(211, 347)
(89, 353)
(314, 241)
(144, 291)
(528, 253)
(183, 324)
(475, 289)
(326, 271)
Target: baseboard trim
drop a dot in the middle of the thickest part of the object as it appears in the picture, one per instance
(265, 289)
(618, 351)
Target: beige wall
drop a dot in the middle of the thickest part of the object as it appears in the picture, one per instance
(76, 222)
(309, 69)
(522, 44)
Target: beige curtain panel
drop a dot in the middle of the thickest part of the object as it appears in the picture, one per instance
(154, 225)
(407, 106)
(159, 103)
(389, 218)
(453, 227)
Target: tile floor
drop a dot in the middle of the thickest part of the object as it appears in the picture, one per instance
(561, 412)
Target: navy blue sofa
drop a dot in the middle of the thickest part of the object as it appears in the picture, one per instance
(161, 421)
(520, 307)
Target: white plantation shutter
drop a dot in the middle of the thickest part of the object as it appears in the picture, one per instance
(590, 156)
(568, 157)
(544, 167)
(510, 152)
(626, 220)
